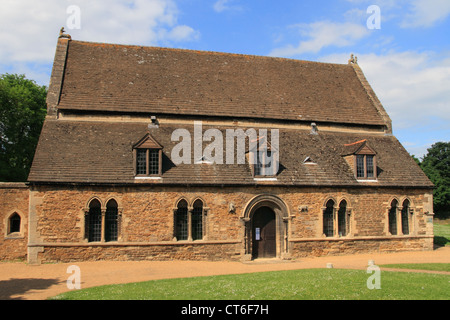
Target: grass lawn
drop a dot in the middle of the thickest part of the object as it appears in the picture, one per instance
(442, 232)
(308, 284)
(420, 266)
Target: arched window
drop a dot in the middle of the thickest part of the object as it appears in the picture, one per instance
(342, 219)
(94, 221)
(197, 220)
(181, 220)
(328, 221)
(393, 217)
(405, 217)
(111, 219)
(14, 223)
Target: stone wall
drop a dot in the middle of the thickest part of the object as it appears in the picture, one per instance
(147, 223)
(203, 251)
(13, 199)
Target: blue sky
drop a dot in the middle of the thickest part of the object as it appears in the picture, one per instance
(406, 60)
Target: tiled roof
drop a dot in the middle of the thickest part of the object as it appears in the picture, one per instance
(101, 152)
(106, 77)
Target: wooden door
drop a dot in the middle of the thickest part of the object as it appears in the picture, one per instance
(264, 233)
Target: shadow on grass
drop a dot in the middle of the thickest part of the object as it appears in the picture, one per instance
(441, 241)
(13, 287)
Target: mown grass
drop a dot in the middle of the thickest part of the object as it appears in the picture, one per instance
(442, 232)
(420, 266)
(307, 284)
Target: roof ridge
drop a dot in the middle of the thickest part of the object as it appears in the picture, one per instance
(211, 52)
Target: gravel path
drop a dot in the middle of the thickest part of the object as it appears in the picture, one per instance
(37, 282)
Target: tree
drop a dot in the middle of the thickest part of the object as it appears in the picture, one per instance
(436, 165)
(417, 160)
(22, 113)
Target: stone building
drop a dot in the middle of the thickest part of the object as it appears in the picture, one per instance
(156, 154)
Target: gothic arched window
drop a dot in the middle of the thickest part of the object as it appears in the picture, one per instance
(328, 219)
(111, 221)
(393, 217)
(181, 220)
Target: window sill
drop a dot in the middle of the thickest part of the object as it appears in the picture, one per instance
(14, 235)
(360, 238)
(367, 180)
(147, 178)
(264, 179)
(337, 237)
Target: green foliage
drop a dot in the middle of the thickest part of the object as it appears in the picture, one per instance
(436, 165)
(22, 113)
(416, 159)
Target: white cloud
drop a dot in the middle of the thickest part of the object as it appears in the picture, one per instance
(181, 33)
(323, 34)
(29, 29)
(409, 13)
(219, 6)
(412, 86)
(223, 5)
(426, 13)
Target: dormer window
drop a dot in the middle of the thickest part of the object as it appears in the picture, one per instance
(364, 166)
(264, 159)
(148, 157)
(147, 162)
(263, 163)
(362, 159)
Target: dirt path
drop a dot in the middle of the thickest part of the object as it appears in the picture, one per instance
(37, 282)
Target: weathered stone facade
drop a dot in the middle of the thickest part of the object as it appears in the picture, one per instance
(147, 223)
(13, 201)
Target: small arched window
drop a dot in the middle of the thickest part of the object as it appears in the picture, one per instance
(181, 220)
(328, 219)
(393, 217)
(342, 219)
(405, 217)
(111, 221)
(14, 223)
(197, 220)
(94, 221)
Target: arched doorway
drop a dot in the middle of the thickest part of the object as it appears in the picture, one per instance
(265, 228)
(264, 233)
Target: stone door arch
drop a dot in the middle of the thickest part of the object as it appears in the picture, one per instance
(266, 203)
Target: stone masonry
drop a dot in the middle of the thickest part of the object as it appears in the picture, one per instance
(147, 228)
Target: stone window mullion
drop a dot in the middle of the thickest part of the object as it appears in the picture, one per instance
(335, 222)
(103, 224)
(189, 224)
(348, 221)
(399, 221)
(119, 223)
(205, 222)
